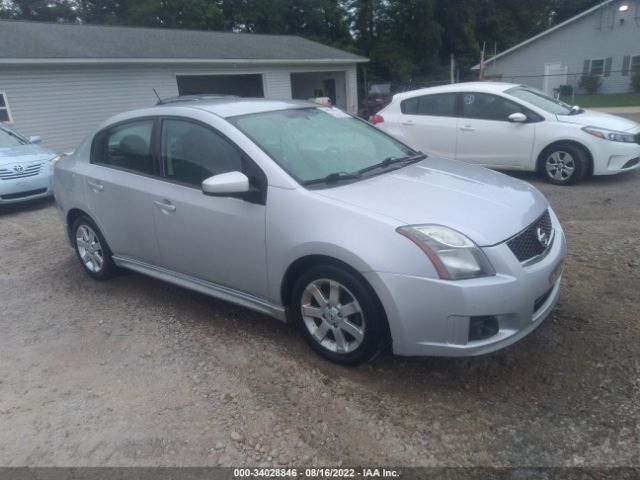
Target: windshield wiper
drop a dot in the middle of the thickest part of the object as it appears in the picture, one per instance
(387, 162)
(333, 178)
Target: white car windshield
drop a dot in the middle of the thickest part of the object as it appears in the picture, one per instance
(313, 144)
(540, 100)
(10, 139)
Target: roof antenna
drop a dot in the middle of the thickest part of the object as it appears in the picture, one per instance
(159, 99)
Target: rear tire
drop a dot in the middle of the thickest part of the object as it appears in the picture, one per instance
(92, 249)
(339, 316)
(564, 164)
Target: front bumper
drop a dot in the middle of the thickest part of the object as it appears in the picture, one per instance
(28, 188)
(431, 317)
(610, 158)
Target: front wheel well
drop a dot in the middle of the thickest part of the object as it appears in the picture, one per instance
(549, 148)
(297, 268)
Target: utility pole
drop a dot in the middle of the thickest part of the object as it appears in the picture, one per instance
(452, 68)
(482, 62)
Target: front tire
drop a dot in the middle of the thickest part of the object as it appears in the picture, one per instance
(564, 164)
(339, 315)
(92, 249)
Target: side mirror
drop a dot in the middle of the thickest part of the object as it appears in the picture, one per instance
(517, 117)
(35, 139)
(226, 184)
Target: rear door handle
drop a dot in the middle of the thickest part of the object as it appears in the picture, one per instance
(96, 186)
(467, 128)
(408, 123)
(165, 206)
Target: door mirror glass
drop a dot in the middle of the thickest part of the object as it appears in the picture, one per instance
(517, 117)
(34, 139)
(226, 184)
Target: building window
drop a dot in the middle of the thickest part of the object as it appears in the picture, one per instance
(635, 64)
(5, 112)
(597, 67)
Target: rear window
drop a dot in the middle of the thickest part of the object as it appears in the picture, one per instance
(441, 105)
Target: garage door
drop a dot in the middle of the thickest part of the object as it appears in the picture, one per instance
(241, 85)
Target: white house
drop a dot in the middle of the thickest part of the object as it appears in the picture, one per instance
(60, 80)
(604, 40)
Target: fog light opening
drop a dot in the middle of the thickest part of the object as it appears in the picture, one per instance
(481, 328)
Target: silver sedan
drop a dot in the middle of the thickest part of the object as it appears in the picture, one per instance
(312, 216)
(25, 167)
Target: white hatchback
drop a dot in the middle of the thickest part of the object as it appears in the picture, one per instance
(509, 126)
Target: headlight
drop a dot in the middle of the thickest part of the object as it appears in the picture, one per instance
(610, 135)
(54, 160)
(454, 255)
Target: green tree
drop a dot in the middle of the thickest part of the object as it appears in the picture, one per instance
(43, 10)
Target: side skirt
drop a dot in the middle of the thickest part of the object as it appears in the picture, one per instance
(208, 288)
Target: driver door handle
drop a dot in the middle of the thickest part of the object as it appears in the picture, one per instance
(408, 123)
(168, 207)
(96, 186)
(467, 128)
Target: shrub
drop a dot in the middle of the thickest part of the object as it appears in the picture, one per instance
(635, 82)
(590, 83)
(566, 90)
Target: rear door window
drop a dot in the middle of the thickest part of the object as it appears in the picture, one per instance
(126, 146)
(437, 105)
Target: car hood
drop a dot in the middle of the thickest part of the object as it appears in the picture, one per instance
(487, 206)
(24, 154)
(591, 118)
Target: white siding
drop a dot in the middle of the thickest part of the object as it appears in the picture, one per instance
(598, 35)
(62, 104)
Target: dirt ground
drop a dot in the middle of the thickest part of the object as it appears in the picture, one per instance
(139, 372)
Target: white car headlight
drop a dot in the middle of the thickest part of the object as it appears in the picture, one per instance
(453, 254)
(612, 135)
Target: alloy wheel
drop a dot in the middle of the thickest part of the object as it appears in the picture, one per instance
(560, 165)
(89, 248)
(333, 316)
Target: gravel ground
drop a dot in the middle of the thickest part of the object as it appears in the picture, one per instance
(139, 372)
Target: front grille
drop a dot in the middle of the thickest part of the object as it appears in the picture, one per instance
(29, 193)
(19, 171)
(526, 245)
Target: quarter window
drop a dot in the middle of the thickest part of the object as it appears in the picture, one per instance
(489, 107)
(192, 152)
(125, 146)
(5, 113)
(442, 105)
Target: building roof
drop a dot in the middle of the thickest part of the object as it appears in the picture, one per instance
(41, 42)
(543, 34)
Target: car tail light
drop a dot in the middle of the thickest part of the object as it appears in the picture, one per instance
(375, 119)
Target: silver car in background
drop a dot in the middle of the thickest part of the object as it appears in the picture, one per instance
(307, 214)
(25, 168)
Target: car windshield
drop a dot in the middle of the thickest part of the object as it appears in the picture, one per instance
(313, 143)
(9, 138)
(540, 100)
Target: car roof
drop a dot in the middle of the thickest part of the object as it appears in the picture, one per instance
(488, 87)
(235, 106)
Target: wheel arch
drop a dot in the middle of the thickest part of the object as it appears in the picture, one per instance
(300, 265)
(72, 215)
(557, 143)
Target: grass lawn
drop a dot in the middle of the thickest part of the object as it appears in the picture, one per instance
(611, 100)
